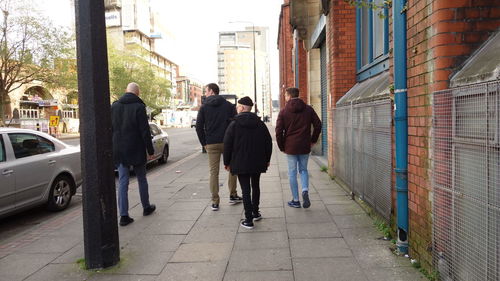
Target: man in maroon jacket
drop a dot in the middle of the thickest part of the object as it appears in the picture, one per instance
(293, 134)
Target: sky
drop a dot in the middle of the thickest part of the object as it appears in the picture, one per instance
(195, 25)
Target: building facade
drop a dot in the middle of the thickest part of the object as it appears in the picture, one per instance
(408, 91)
(235, 60)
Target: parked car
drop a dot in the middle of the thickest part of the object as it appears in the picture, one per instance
(160, 144)
(193, 123)
(36, 169)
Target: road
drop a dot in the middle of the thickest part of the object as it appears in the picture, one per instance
(183, 142)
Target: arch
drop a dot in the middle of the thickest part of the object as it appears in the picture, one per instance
(37, 91)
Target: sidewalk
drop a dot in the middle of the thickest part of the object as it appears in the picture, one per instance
(186, 240)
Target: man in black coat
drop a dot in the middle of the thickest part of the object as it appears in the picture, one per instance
(213, 118)
(247, 153)
(131, 141)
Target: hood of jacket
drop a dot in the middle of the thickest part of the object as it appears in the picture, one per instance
(296, 105)
(129, 98)
(215, 100)
(247, 120)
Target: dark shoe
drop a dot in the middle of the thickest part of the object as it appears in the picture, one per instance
(247, 224)
(126, 220)
(235, 199)
(147, 211)
(257, 217)
(294, 204)
(305, 197)
(215, 207)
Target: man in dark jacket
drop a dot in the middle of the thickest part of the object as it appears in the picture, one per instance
(131, 141)
(213, 118)
(247, 153)
(293, 135)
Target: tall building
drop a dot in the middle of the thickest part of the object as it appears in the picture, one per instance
(135, 23)
(236, 65)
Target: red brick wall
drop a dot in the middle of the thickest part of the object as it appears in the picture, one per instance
(341, 48)
(285, 45)
(303, 83)
(441, 35)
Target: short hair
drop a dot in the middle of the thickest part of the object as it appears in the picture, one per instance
(133, 87)
(293, 92)
(213, 87)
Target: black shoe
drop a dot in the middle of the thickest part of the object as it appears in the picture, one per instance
(147, 211)
(257, 217)
(125, 220)
(235, 199)
(305, 197)
(215, 207)
(247, 224)
(294, 204)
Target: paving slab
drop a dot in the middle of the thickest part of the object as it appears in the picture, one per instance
(261, 240)
(327, 269)
(360, 236)
(207, 271)
(377, 256)
(156, 242)
(210, 234)
(345, 209)
(353, 221)
(313, 230)
(136, 261)
(394, 274)
(170, 227)
(271, 224)
(319, 248)
(51, 244)
(202, 252)
(259, 275)
(120, 277)
(259, 260)
(21, 265)
(66, 272)
(276, 212)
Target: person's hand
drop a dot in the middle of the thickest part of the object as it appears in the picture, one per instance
(150, 157)
(227, 168)
(312, 144)
(268, 163)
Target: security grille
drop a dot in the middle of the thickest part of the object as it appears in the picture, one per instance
(362, 150)
(466, 182)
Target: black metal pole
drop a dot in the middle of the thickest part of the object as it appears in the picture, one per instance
(99, 196)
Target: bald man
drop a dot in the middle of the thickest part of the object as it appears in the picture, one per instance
(131, 142)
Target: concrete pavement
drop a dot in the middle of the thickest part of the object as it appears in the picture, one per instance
(185, 240)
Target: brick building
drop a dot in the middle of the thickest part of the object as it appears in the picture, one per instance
(352, 57)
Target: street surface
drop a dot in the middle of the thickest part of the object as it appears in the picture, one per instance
(183, 142)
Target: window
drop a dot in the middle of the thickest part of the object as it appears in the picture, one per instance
(2, 150)
(25, 145)
(372, 38)
(154, 130)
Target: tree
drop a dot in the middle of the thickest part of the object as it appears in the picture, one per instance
(29, 45)
(132, 65)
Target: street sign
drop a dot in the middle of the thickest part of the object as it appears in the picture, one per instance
(54, 121)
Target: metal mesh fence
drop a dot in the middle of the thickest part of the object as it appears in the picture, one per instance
(362, 147)
(466, 182)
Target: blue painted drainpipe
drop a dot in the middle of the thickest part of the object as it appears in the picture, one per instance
(401, 122)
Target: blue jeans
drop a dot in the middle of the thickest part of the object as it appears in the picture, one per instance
(300, 161)
(123, 179)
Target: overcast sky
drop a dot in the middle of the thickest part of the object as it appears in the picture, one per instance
(196, 24)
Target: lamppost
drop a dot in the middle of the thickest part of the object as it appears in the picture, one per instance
(254, 64)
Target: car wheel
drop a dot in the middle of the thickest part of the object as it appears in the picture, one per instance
(60, 193)
(164, 156)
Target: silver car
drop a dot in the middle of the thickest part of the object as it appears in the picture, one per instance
(36, 169)
(160, 144)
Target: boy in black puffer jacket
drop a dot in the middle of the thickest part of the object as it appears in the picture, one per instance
(247, 153)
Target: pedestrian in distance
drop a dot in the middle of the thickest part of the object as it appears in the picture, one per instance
(131, 142)
(247, 153)
(293, 135)
(214, 116)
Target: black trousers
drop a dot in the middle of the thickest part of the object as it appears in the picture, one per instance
(251, 203)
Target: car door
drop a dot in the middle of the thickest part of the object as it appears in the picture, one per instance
(33, 167)
(7, 179)
(157, 140)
